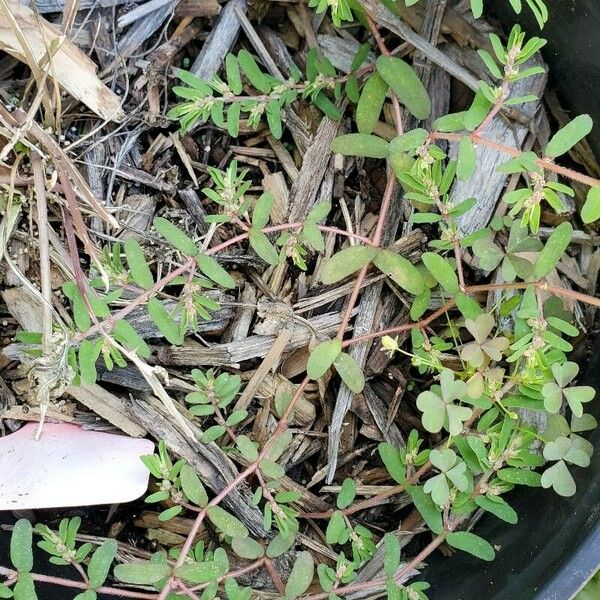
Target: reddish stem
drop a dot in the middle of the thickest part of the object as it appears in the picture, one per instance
(81, 585)
(275, 576)
(545, 163)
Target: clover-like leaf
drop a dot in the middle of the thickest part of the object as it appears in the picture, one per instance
(476, 351)
(558, 477)
(452, 471)
(554, 391)
(439, 410)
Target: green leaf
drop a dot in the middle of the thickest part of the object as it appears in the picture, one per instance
(163, 320)
(520, 477)
(477, 8)
(234, 81)
(255, 76)
(87, 595)
(441, 270)
(280, 445)
(280, 544)
(471, 543)
(450, 123)
(553, 251)
(347, 493)
(558, 477)
(318, 212)
(350, 372)
(168, 514)
(226, 523)
(336, 529)
(370, 103)
(21, 554)
(262, 210)
(87, 356)
(467, 159)
(175, 236)
(237, 416)
(214, 271)
(202, 572)
(192, 486)
(124, 333)
(301, 575)
(247, 447)
(431, 514)
(5, 591)
(81, 313)
(405, 83)
(410, 140)
(391, 556)
(100, 562)
(25, 588)
(391, 459)
(490, 63)
(212, 433)
(247, 548)
(569, 135)
(138, 267)
(322, 357)
(233, 119)
(590, 211)
(360, 144)
(142, 573)
(400, 270)
(345, 262)
(271, 469)
(273, 111)
(498, 507)
(262, 246)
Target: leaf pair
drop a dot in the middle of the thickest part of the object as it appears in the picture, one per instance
(329, 354)
(396, 267)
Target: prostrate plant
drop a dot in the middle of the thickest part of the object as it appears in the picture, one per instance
(479, 366)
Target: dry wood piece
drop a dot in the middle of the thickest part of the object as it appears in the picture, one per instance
(72, 69)
(222, 37)
(314, 166)
(254, 346)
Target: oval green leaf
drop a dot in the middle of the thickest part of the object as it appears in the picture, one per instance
(405, 83)
(175, 236)
(322, 357)
(590, 211)
(569, 135)
(226, 523)
(142, 573)
(350, 372)
(21, 554)
(471, 543)
(301, 575)
(400, 270)
(345, 262)
(553, 251)
(370, 103)
(360, 144)
(442, 272)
